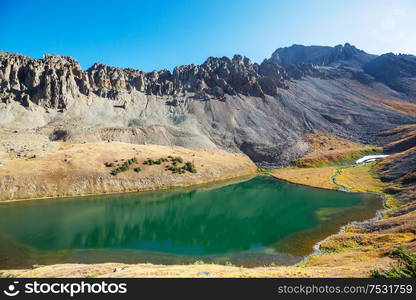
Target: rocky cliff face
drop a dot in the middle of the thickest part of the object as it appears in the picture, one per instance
(50, 82)
(397, 71)
(263, 110)
(321, 55)
(54, 80)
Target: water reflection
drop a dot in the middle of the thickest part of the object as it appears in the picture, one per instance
(234, 219)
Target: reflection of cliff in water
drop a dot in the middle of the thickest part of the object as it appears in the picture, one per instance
(247, 215)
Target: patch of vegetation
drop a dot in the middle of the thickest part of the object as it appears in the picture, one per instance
(405, 266)
(155, 162)
(137, 169)
(363, 242)
(175, 170)
(175, 164)
(132, 161)
(177, 159)
(336, 158)
(148, 162)
(36, 266)
(109, 164)
(6, 275)
(264, 171)
(124, 166)
(361, 178)
(317, 177)
(190, 167)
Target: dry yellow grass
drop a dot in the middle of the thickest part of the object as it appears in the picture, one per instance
(316, 177)
(403, 107)
(337, 265)
(349, 241)
(360, 179)
(78, 169)
(328, 148)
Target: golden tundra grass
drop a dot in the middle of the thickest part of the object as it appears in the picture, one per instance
(317, 177)
(329, 149)
(79, 169)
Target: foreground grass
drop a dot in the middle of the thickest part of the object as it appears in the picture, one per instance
(404, 267)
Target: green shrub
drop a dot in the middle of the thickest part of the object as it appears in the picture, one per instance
(124, 167)
(405, 266)
(177, 159)
(155, 162)
(109, 164)
(5, 275)
(148, 162)
(137, 169)
(177, 170)
(36, 266)
(190, 167)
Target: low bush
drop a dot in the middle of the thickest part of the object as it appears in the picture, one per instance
(109, 164)
(132, 161)
(405, 266)
(155, 162)
(177, 159)
(190, 167)
(175, 164)
(5, 275)
(137, 169)
(124, 167)
(148, 162)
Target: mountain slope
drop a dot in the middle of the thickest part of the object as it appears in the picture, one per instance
(321, 55)
(396, 71)
(264, 110)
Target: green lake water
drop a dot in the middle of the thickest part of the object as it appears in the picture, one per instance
(256, 222)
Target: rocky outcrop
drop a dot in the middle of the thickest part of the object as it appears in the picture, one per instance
(215, 77)
(321, 55)
(263, 110)
(397, 71)
(50, 82)
(54, 80)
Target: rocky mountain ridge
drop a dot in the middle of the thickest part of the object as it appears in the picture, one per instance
(54, 79)
(263, 110)
(321, 55)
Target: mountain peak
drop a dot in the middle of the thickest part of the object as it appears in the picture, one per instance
(346, 54)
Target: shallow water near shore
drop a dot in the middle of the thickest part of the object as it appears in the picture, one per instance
(257, 222)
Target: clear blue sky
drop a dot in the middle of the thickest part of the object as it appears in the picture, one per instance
(160, 34)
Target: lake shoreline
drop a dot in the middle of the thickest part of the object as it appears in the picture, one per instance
(78, 170)
(207, 184)
(254, 271)
(173, 265)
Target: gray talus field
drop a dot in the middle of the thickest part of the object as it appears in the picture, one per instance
(263, 110)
